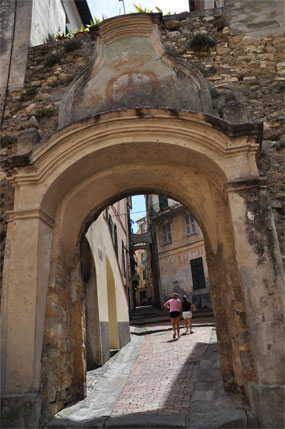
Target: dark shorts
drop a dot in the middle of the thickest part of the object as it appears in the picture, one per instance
(174, 314)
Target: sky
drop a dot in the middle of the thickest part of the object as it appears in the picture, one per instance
(138, 210)
(110, 8)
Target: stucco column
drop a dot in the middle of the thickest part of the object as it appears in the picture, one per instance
(26, 270)
(260, 267)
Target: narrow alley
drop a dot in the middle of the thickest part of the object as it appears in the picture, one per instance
(158, 382)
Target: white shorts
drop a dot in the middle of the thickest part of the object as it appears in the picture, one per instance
(187, 314)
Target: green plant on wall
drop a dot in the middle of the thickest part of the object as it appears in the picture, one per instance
(28, 94)
(141, 9)
(202, 42)
(51, 60)
(61, 36)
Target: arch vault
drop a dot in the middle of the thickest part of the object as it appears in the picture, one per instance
(205, 163)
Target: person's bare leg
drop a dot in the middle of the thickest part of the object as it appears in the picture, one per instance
(173, 326)
(177, 319)
(190, 325)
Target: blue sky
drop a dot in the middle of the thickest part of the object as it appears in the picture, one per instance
(138, 210)
(110, 8)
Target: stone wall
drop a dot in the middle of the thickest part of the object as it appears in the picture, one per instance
(34, 108)
(245, 67)
(239, 68)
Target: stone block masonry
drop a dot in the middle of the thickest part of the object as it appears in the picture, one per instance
(244, 67)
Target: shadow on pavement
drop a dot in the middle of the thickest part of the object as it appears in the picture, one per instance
(208, 405)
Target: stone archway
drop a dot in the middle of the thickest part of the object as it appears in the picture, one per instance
(86, 166)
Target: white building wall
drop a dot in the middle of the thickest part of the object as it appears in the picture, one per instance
(73, 17)
(48, 16)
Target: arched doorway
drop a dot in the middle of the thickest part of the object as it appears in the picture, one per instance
(88, 165)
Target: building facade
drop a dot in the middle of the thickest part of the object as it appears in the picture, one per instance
(105, 269)
(180, 253)
(143, 286)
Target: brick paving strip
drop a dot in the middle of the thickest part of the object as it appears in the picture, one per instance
(138, 382)
(154, 382)
(164, 374)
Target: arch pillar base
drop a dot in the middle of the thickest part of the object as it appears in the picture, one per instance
(21, 411)
(267, 403)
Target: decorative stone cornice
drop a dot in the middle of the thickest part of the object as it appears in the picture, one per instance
(135, 24)
(31, 214)
(194, 131)
(245, 184)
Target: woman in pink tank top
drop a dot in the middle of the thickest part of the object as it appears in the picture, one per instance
(174, 305)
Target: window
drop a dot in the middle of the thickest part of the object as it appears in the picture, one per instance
(163, 203)
(123, 258)
(144, 274)
(142, 258)
(167, 233)
(198, 276)
(115, 239)
(190, 224)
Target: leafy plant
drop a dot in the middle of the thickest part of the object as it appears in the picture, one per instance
(202, 42)
(51, 60)
(72, 45)
(280, 87)
(60, 36)
(96, 21)
(28, 93)
(140, 9)
(44, 112)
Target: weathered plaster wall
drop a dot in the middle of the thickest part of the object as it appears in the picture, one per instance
(118, 211)
(174, 259)
(101, 243)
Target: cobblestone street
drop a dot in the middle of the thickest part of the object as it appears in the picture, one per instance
(158, 382)
(164, 374)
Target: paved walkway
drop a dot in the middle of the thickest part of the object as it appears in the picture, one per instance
(158, 382)
(164, 374)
